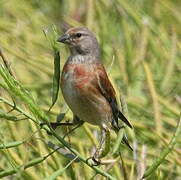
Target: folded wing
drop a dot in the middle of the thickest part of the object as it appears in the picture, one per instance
(104, 86)
(106, 89)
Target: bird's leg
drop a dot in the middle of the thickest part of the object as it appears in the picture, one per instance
(54, 125)
(104, 146)
(75, 121)
(80, 123)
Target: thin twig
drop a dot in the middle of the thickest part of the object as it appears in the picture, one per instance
(18, 109)
(165, 152)
(27, 165)
(60, 139)
(123, 167)
(6, 63)
(98, 170)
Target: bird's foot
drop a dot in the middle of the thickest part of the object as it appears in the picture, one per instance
(50, 124)
(94, 161)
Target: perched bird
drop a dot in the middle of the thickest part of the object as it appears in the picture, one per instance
(85, 85)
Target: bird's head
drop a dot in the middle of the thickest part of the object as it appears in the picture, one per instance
(81, 41)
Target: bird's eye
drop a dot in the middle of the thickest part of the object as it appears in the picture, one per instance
(78, 35)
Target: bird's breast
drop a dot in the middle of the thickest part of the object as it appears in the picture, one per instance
(76, 76)
(74, 80)
(81, 95)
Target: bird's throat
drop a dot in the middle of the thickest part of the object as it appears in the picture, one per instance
(81, 59)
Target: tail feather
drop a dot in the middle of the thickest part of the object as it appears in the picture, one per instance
(125, 141)
(123, 118)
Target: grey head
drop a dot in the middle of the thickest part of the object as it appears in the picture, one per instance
(81, 41)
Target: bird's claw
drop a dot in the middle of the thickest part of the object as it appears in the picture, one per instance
(43, 124)
(51, 124)
(94, 161)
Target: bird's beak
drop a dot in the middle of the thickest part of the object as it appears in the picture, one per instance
(64, 38)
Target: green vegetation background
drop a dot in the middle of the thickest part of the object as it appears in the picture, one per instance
(140, 43)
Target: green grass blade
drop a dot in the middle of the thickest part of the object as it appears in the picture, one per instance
(11, 144)
(165, 152)
(60, 171)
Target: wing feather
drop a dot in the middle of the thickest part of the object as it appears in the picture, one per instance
(107, 90)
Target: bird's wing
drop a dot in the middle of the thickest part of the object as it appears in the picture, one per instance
(106, 89)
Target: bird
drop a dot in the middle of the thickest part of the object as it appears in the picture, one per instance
(86, 87)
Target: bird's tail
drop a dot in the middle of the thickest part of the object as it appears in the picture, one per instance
(124, 139)
(124, 119)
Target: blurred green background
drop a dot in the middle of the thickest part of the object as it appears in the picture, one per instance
(140, 48)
